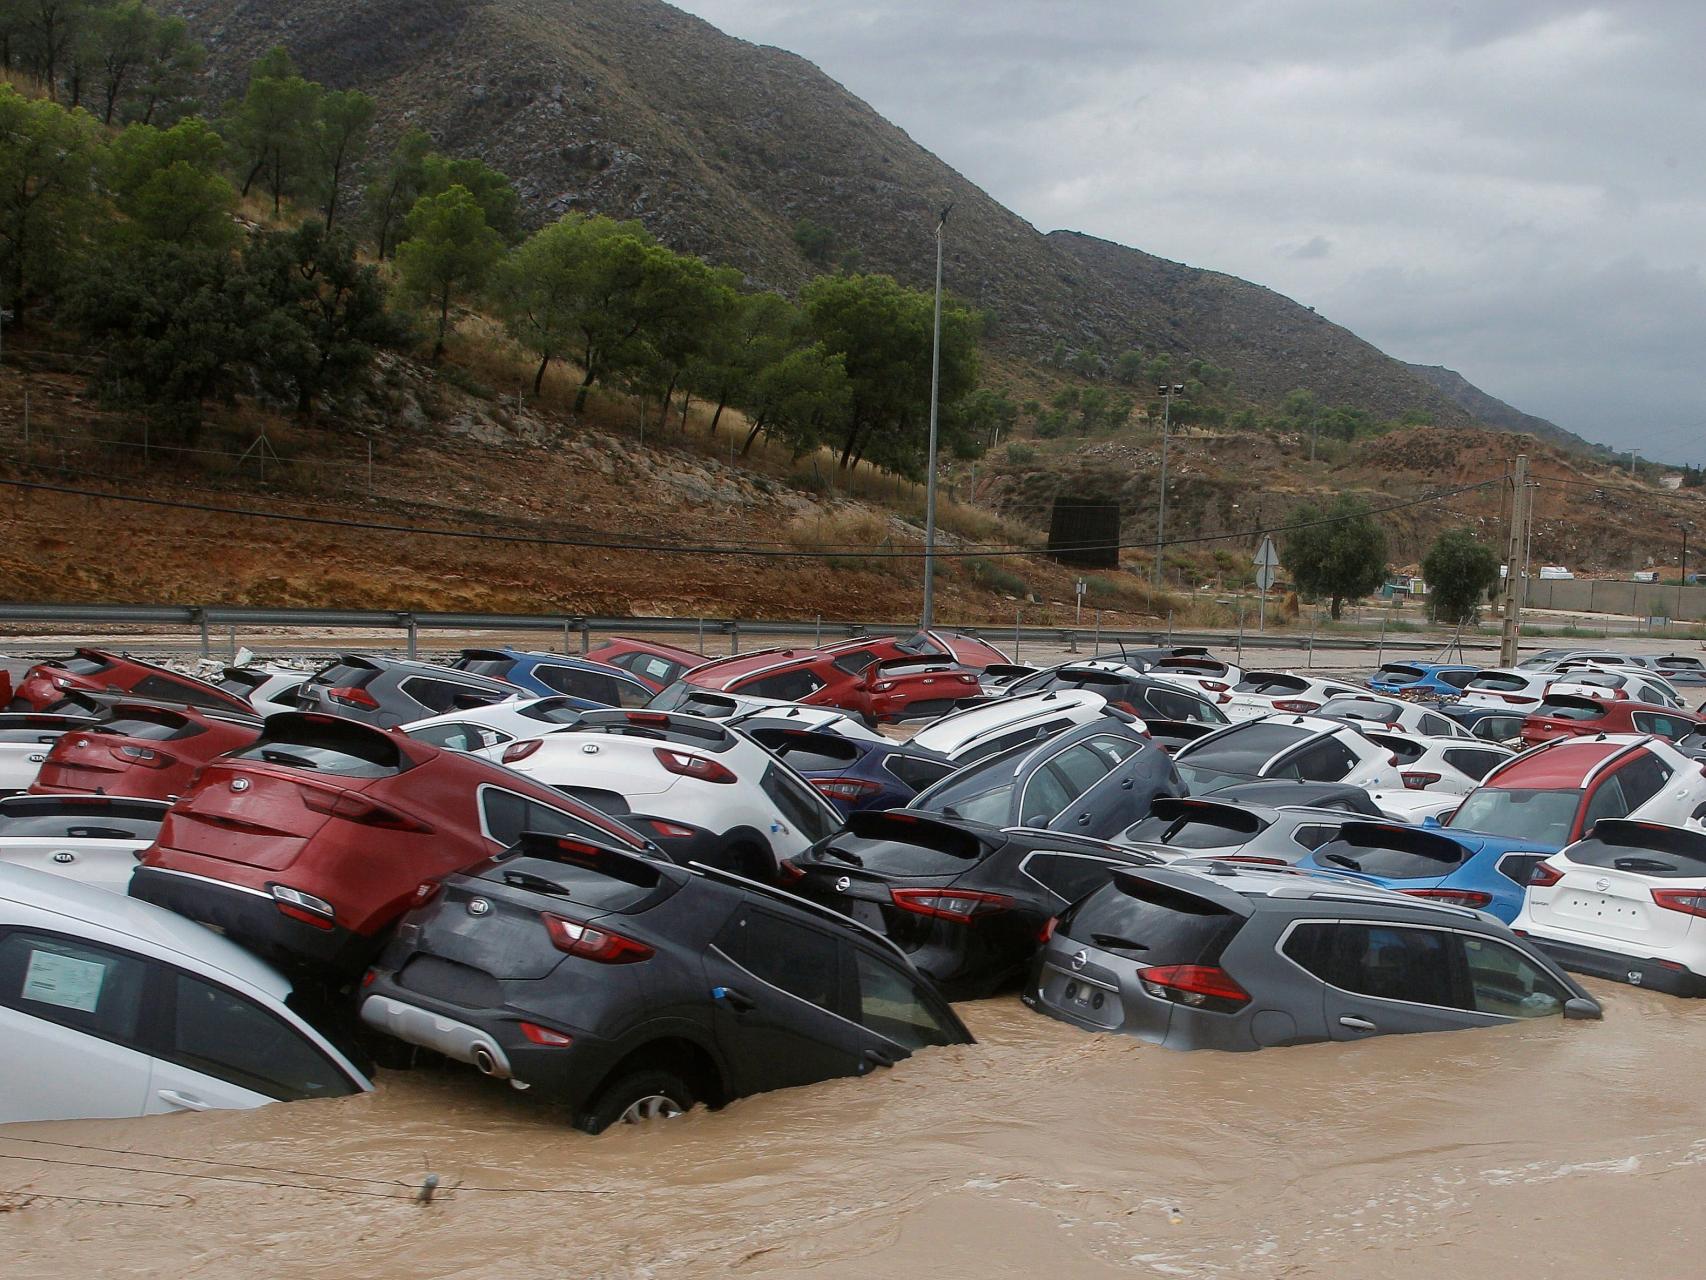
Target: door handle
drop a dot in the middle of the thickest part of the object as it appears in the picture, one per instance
(1126, 785)
(1083, 819)
(184, 1100)
(1356, 1024)
(736, 1000)
(879, 1057)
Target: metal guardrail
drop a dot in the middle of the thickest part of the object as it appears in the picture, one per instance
(410, 624)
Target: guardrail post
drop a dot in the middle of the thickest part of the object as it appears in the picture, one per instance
(1072, 642)
(1016, 637)
(586, 637)
(1098, 652)
(700, 627)
(566, 626)
(817, 635)
(1170, 626)
(233, 643)
(1314, 618)
(1240, 630)
(734, 636)
(201, 615)
(409, 622)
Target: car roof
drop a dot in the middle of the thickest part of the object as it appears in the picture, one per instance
(957, 728)
(133, 918)
(1561, 764)
(1291, 890)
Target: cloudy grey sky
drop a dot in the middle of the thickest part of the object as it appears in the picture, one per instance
(1513, 188)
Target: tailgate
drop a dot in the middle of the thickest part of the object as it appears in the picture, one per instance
(1612, 904)
(264, 823)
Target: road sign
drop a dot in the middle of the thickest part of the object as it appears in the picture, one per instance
(1267, 564)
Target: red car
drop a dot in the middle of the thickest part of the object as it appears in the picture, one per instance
(306, 845)
(1566, 715)
(142, 750)
(659, 665)
(879, 677)
(97, 671)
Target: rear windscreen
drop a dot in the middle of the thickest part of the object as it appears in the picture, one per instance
(916, 849)
(1199, 829)
(593, 880)
(1570, 709)
(81, 666)
(1390, 674)
(1161, 925)
(345, 675)
(551, 711)
(1509, 684)
(1644, 850)
(1394, 863)
(157, 730)
(81, 826)
(1268, 682)
(809, 752)
(241, 682)
(494, 665)
(326, 745)
(1361, 709)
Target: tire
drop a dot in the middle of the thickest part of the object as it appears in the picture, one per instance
(636, 1098)
(750, 861)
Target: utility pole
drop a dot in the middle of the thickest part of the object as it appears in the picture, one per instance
(1682, 567)
(1511, 627)
(1168, 391)
(928, 619)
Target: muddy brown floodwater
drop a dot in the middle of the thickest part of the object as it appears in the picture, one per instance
(1550, 1150)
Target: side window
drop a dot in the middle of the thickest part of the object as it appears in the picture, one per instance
(506, 815)
(1456, 679)
(1418, 966)
(1069, 876)
(1079, 768)
(592, 685)
(917, 773)
(855, 662)
(1438, 726)
(76, 984)
(893, 1005)
(1045, 796)
(176, 691)
(1114, 750)
(1314, 836)
(459, 736)
(797, 803)
(230, 1037)
(789, 686)
(796, 959)
(661, 670)
(1477, 764)
(1607, 802)
(1506, 982)
(445, 695)
(631, 693)
(1326, 761)
(1642, 779)
(1012, 738)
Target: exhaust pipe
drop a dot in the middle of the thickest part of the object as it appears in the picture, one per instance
(483, 1060)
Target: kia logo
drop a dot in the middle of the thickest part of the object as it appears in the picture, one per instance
(1081, 959)
(844, 884)
(478, 906)
(239, 784)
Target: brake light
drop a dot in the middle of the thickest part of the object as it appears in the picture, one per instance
(1296, 704)
(669, 830)
(1223, 698)
(1544, 875)
(521, 750)
(1199, 986)
(353, 695)
(691, 766)
(1456, 897)
(302, 906)
(852, 789)
(1215, 686)
(352, 807)
(1250, 857)
(1688, 901)
(788, 872)
(589, 943)
(147, 757)
(962, 906)
(539, 1035)
(648, 717)
(1046, 933)
(1419, 781)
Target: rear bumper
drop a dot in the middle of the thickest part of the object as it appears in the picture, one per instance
(1637, 971)
(252, 918)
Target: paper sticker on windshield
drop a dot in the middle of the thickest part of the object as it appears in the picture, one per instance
(64, 981)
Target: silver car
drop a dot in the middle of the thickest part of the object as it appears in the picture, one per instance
(1239, 957)
(1210, 827)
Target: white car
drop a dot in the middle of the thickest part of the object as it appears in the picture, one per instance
(702, 791)
(268, 687)
(795, 715)
(25, 739)
(990, 728)
(1391, 713)
(1451, 766)
(1262, 693)
(1204, 674)
(1597, 682)
(476, 728)
(95, 840)
(1507, 687)
(1302, 748)
(113, 1007)
(1621, 904)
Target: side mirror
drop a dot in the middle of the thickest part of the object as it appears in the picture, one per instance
(1431, 821)
(1578, 1008)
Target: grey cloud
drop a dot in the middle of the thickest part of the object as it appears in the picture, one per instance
(1314, 247)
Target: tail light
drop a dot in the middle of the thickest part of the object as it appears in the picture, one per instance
(962, 906)
(1223, 698)
(883, 686)
(1296, 704)
(669, 830)
(352, 807)
(302, 906)
(353, 695)
(147, 757)
(550, 1039)
(691, 766)
(1393, 761)
(1046, 933)
(1688, 901)
(1215, 686)
(849, 789)
(967, 679)
(1456, 897)
(1418, 781)
(788, 872)
(593, 944)
(1544, 875)
(1252, 858)
(1199, 986)
(521, 750)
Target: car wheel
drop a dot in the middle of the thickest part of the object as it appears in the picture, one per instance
(637, 1098)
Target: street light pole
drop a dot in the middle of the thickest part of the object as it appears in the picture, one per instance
(928, 619)
(1167, 391)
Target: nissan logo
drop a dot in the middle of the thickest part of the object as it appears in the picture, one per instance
(1080, 959)
(1601, 885)
(844, 884)
(239, 784)
(478, 906)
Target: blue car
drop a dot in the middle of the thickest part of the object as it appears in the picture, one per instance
(1465, 868)
(854, 773)
(542, 674)
(1422, 679)
(1490, 724)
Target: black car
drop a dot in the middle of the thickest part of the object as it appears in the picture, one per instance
(392, 691)
(967, 901)
(853, 773)
(631, 988)
(1092, 780)
(1491, 724)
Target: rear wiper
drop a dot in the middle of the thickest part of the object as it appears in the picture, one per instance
(842, 855)
(539, 884)
(285, 757)
(1114, 942)
(1649, 866)
(1342, 861)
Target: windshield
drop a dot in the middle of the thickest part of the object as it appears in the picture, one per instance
(1194, 831)
(1544, 817)
(1201, 778)
(981, 792)
(1244, 750)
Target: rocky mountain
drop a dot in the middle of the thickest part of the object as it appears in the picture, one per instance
(635, 109)
(1494, 412)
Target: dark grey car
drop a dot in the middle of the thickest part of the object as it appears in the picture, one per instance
(388, 692)
(1236, 957)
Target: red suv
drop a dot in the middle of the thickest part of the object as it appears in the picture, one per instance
(1567, 715)
(142, 750)
(306, 845)
(659, 665)
(97, 671)
(882, 678)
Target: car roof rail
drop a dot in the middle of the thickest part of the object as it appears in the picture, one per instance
(667, 726)
(794, 900)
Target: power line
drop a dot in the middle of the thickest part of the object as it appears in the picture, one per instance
(230, 1164)
(206, 1177)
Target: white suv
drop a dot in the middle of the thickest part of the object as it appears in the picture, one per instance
(92, 839)
(990, 728)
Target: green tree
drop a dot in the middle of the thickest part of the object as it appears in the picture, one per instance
(1085, 362)
(119, 43)
(172, 72)
(450, 252)
(273, 129)
(492, 191)
(764, 328)
(1129, 369)
(344, 120)
(1459, 572)
(1160, 369)
(393, 193)
(681, 300)
(46, 160)
(1339, 553)
(52, 30)
(815, 241)
(168, 184)
(804, 399)
(984, 413)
